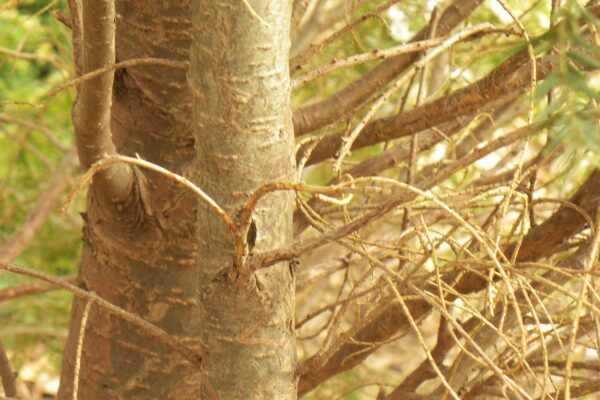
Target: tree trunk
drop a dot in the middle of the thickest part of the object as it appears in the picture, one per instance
(159, 253)
(244, 138)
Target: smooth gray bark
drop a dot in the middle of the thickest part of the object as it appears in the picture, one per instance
(244, 138)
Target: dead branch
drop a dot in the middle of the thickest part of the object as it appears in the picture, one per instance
(387, 319)
(322, 113)
(512, 76)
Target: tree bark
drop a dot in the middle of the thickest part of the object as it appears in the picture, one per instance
(159, 254)
(142, 255)
(244, 137)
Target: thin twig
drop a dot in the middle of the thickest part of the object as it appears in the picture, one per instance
(378, 54)
(49, 199)
(109, 160)
(14, 292)
(348, 140)
(148, 328)
(77, 368)
(297, 62)
(134, 62)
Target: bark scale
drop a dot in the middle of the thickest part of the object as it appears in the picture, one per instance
(244, 138)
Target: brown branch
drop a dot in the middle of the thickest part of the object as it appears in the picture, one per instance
(561, 364)
(6, 373)
(564, 223)
(134, 62)
(320, 20)
(318, 115)
(91, 111)
(298, 11)
(298, 61)
(514, 75)
(20, 54)
(384, 54)
(62, 18)
(583, 389)
(424, 371)
(397, 154)
(388, 319)
(50, 197)
(487, 336)
(35, 126)
(270, 258)
(144, 326)
(77, 34)
(28, 289)
(347, 140)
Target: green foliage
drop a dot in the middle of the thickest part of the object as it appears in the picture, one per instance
(41, 58)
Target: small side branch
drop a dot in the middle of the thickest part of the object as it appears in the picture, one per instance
(330, 109)
(6, 373)
(28, 289)
(91, 111)
(109, 161)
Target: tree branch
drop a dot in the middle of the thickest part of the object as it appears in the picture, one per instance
(13, 292)
(51, 192)
(514, 75)
(387, 319)
(322, 113)
(144, 326)
(319, 21)
(267, 259)
(399, 153)
(91, 111)
(6, 373)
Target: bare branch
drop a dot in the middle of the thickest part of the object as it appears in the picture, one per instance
(347, 141)
(91, 111)
(144, 326)
(299, 60)
(387, 319)
(62, 18)
(108, 161)
(322, 113)
(511, 76)
(77, 33)
(384, 54)
(401, 152)
(268, 259)
(319, 21)
(114, 67)
(13, 292)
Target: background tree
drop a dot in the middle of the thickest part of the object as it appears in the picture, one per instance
(436, 228)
